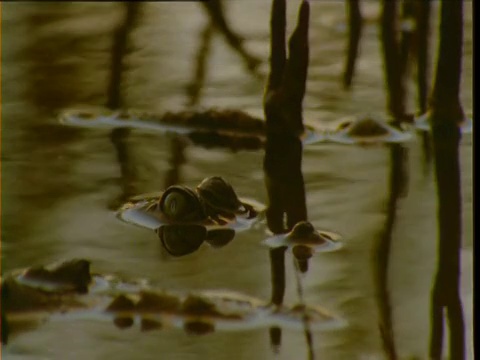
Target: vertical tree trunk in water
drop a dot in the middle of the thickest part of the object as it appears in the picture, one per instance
(392, 59)
(423, 56)
(355, 23)
(447, 112)
(423, 53)
(407, 30)
(283, 151)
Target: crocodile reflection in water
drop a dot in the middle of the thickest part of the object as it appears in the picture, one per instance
(184, 239)
(70, 292)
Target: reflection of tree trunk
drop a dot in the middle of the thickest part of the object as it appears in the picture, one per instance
(446, 113)
(120, 43)
(395, 56)
(178, 144)
(119, 137)
(405, 46)
(217, 15)
(422, 51)
(391, 55)
(355, 22)
(194, 88)
(423, 55)
(445, 293)
(381, 252)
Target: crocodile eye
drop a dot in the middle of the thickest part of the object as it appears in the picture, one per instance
(219, 195)
(180, 203)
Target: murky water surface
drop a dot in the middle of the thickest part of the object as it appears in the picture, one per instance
(60, 183)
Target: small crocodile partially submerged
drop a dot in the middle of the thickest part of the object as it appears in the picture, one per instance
(304, 241)
(70, 291)
(236, 129)
(184, 217)
(212, 127)
(366, 129)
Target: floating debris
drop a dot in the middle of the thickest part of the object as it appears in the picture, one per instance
(366, 130)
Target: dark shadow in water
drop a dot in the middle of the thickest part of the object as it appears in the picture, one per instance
(355, 25)
(447, 112)
(283, 150)
(381, 251)
(216, 13)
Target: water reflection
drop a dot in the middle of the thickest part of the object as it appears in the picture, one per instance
(46, 76)
(180, 240)
(381, 250)
(445, 295)
(70, 291)
(51, 232)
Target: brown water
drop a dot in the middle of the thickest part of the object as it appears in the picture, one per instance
(58, 183)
